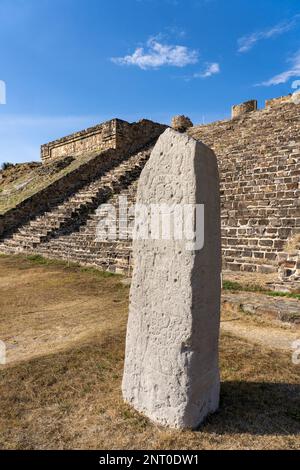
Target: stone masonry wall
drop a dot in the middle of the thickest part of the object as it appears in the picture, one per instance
(259, 160)
(98, 138)
(115, 134)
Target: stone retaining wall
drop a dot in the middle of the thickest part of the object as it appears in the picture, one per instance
(115, 134)
(259, 159)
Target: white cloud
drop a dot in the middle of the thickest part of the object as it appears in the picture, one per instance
(156, 55)
(283, 77)
(211, 69)
(246, 43)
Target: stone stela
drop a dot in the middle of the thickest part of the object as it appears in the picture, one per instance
(171, 370)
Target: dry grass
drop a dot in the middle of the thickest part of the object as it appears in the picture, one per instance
(251, 279)
(69, 396)
(293, 244)
(47, 307)
(27, 183)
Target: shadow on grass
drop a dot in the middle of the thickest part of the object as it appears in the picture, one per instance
(257, 408)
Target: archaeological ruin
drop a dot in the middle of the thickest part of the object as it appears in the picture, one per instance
(52, 209)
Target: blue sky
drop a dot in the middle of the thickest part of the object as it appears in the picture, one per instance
(69, 64)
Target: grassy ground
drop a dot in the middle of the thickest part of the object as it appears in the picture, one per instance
(65, 328)
(26, 183)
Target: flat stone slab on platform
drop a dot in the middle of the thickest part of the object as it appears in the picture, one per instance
(266, 306)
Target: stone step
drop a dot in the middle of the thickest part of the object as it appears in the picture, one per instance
(277, 308)
(36, 232)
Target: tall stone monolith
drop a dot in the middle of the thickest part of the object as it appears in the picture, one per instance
(171, 368)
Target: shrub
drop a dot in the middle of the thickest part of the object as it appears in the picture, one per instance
(6, 165)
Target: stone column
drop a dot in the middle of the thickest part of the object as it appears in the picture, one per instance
(171, 368)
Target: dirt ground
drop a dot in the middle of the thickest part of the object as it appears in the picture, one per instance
(64, 328)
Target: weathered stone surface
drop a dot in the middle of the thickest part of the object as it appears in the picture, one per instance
(114, 134)
(258, 156)
(254, 303)
(181, 123)
(240, 109)
(171, 368)
(279, 101)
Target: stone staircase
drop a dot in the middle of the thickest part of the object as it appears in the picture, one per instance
(82, 246)
(74, 212)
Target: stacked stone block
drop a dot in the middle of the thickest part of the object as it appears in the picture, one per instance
(114, 134)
